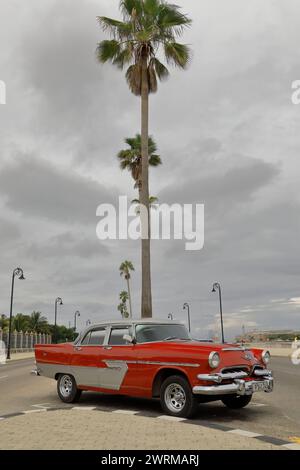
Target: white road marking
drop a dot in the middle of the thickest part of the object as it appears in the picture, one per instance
(84, 408)
(292, 446)
(241, 432)
(257, 404)
(4, 377)
(27, 412)
(125, 412)
(42, 406)
(171, 418)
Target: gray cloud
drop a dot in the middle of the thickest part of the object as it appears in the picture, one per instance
(68, 245)
(8, 231)
(36, 188)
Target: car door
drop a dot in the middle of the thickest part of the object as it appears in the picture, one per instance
(86, 357)
(118, 365)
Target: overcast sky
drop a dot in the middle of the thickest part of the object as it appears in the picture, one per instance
(228, 135)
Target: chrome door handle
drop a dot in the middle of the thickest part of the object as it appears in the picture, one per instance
(107, 347)
(78, 348)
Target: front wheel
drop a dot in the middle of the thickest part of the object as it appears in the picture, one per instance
(235, 402)
(67, 389)
(176, 397)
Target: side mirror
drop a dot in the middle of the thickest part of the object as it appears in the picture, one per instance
(129, 339)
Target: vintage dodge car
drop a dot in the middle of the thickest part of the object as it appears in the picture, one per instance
(155, 359)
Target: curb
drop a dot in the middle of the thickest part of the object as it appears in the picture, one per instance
(196, 422)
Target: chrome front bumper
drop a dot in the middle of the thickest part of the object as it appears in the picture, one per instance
(237, 387)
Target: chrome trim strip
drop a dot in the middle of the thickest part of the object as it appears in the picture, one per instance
(180, 364)
(237, 348)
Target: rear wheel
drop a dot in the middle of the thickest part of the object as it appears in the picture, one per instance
(236, 402)
(67, 389)
(176, 397)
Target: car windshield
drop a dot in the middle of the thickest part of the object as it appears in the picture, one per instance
(147, 333)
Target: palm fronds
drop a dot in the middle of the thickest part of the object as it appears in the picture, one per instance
(131, 158)
(147, 27)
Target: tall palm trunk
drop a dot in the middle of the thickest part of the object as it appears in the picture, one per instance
(129, 298)
(146, 267)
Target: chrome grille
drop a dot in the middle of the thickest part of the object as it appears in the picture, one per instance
(229, 370)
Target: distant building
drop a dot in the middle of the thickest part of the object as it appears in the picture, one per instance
(263, 336)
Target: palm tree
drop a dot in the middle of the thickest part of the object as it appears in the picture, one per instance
(149, 29)
(37, 322)
(131, 158)
(4, 322)
(21, 322)
(152, 203)
(122, 307)
(125, 269)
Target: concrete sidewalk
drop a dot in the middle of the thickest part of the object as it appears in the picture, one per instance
(19, 356)
(98, 430)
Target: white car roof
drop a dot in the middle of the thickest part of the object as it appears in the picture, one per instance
(129, 321)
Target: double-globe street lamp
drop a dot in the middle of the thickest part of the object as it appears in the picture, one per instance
(216, 287)
(186, 306)
(58, 301)
(76, 314)
(18, 272)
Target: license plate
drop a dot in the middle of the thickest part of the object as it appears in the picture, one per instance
(259, 386)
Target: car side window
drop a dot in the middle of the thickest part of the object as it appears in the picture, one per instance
(116, 336)
(94, 337)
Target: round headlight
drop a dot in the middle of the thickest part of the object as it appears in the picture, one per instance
(214, 359)
(266, 356)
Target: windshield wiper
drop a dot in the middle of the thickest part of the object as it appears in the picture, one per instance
(169, 338)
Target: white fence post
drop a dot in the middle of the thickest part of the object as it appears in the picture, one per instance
(15, 338)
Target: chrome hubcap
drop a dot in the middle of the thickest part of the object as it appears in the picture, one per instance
(65, 386)
(175, 397)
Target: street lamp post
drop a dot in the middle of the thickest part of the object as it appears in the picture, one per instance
(216, 287)
(170, 316)
(76, 314)
(20, 274)
(186, 306)
(58, 301)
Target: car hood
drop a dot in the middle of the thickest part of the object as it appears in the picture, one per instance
(231, 355)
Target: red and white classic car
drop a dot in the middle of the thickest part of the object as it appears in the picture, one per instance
(155, 359)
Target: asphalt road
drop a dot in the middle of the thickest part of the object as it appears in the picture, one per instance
(276, 414)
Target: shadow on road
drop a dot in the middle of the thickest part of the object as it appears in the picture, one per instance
(207, 412)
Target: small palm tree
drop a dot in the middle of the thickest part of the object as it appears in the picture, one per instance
(125, 269)
(152, 203)
(122, 307)
(149, 29)
(131, 158)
